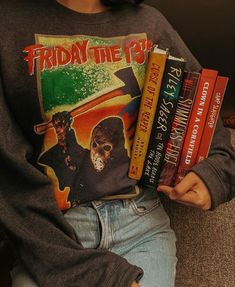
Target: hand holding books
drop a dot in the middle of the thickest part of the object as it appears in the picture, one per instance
(190, 191)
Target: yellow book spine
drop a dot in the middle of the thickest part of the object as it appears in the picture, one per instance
(154, 74)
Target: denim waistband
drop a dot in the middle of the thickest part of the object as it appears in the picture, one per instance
(137, 193)
(125, 198)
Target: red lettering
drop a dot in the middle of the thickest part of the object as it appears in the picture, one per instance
(82, 47)
(96, 51)
(32, 51)
(105, 55)
(64, 56)
(135, 50)
(115, 53)
(45, 55)
(54, 57)
(75, 56)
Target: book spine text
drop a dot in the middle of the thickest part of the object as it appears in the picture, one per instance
(212, 117)
(148, 104)
(197, 122)
(178, 129)
(162, 121)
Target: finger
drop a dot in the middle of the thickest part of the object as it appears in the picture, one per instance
(193, 198)
(165, 189)
(184, 186)
(188, 198)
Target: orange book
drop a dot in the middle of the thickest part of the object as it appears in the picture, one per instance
(212, 117)
(197, 122)
(154, 74)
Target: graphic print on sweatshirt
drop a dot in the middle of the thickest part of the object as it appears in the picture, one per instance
(89, 90)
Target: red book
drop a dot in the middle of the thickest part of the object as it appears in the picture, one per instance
(179, 127)
(197, 122)
(212, 117)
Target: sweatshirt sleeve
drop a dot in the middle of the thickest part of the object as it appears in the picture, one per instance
(45, 242)
(218, 169)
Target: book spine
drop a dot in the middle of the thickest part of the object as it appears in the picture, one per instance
(212, 117)
(162, 121)
(178, 129)
(148, 104)
(197, 122)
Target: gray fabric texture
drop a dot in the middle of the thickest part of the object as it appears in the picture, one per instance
(46, 244)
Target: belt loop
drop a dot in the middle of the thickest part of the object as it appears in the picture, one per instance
(96, 203)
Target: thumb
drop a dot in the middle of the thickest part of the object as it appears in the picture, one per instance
(165, 189)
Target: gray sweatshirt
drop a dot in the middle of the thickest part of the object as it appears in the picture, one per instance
(70, 88)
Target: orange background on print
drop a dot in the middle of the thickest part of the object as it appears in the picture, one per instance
(83, 125)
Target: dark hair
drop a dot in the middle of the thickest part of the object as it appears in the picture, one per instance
(113, 3)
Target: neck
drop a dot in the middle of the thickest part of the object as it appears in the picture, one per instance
(83, 6)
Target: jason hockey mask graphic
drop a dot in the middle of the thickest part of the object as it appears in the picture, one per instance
(89, 89)
(107, 143)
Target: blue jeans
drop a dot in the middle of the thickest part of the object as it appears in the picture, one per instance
(136, 229)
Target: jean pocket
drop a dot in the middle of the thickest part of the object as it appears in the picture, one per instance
(147, 201)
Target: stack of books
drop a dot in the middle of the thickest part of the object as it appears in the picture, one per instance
(177, 118)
